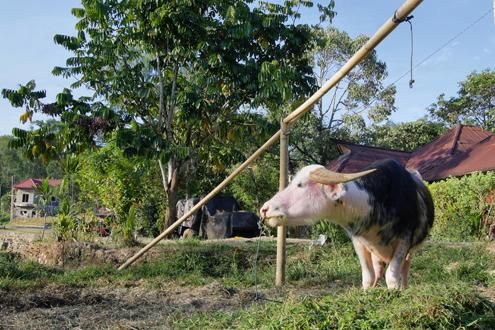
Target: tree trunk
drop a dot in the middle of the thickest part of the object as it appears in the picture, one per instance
(172, 192)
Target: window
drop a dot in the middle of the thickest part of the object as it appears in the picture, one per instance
(25, 198)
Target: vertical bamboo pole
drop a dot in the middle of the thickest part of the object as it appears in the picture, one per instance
(282, 230)
(12, 199)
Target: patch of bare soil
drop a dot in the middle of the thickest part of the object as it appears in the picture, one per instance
(132, 306)
(61, 307)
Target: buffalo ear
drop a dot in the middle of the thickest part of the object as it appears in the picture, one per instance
(333, 191)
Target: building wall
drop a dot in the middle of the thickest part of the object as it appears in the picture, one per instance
(25, 209)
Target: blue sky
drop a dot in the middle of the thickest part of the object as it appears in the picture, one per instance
(28, 52)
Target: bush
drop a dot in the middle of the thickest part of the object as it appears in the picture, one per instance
(462, 206)
(257, 184)
(4, 217)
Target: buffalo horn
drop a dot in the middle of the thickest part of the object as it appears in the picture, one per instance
(324, 176)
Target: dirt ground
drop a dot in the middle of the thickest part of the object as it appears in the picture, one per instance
(125, 305)
(59, 307)
(133, 307)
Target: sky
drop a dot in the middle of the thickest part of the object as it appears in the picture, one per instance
(27, 50)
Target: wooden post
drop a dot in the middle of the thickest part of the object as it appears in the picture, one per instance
(282, 230)
(12, 197)
(406, 8)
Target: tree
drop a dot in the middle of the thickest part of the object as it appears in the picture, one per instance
(360, 97)
(125, 185)
(170, 76)
(474, 103)
(405, 136)
(46, 195)
(13, 163)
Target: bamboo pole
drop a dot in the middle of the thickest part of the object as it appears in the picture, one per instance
(384, 31)
(282, 230)
(196, 207)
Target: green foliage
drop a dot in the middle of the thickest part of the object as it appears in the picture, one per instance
(106, 178)
(428, 304)
(65, 226)
(14, 163)
(12, 267)
(358, 99)
(461, 206)
(4, 217)
(129, 228)
(405, 136)
(256, 184)
(474, 103)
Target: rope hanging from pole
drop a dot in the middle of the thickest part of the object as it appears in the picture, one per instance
(407, 19)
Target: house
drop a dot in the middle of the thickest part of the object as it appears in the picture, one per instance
(462, 150)
(26, 199)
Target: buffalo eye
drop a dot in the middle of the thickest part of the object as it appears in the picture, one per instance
(299, 185)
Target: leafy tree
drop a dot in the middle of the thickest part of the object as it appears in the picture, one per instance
(358, 98)
(474, 103)
(170, 76)
(52, 139)
(46, 194)
(405, 136)
(14, 163)
(107, 178)
(257, 184)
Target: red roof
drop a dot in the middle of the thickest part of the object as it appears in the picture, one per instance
(33, 183)
(355, 157)
(463, 149)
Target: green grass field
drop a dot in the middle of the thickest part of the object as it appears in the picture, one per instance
(452, 286)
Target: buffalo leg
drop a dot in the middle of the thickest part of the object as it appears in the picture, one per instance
(378, 267)
(364, 255)
(394, 270)
(405, 271)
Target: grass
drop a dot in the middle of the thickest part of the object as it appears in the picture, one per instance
(39, 222)
(429, 307)
(444, 286)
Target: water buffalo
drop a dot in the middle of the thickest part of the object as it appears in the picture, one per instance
(386, 210)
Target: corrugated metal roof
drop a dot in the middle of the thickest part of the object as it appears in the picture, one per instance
(355, 157)
(31, 183)
(463, 149)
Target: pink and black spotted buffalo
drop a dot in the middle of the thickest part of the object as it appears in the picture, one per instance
(386, 210)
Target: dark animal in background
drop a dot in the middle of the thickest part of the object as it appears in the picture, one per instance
(231, 224)
(386, 210)
(221, 216)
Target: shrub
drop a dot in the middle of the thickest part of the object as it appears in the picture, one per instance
(462, 206)
(257, 184)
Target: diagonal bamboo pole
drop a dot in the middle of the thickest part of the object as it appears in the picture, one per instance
(383, 32)
(196, 207)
